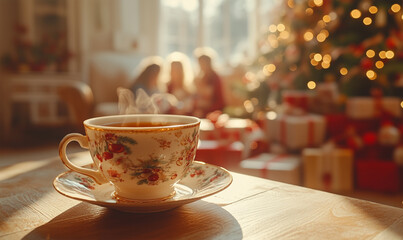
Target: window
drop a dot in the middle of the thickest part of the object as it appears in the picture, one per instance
(230, 27)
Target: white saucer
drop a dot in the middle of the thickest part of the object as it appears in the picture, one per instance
(201, 181)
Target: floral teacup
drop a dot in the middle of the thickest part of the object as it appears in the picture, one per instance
(143, 156)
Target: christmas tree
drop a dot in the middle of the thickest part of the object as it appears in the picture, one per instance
(355, 45)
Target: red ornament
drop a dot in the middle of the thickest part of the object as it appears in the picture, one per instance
(390, 43)
(369, 138)
(357, 50)
(367, 64)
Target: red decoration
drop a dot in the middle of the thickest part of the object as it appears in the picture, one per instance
(357, 50)
(377, 176)
(391, 43)
(226, 156)
(369, 138)
(367, 64)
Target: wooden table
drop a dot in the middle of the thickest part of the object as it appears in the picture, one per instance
(251, 208)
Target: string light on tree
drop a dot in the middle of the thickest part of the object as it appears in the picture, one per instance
(389, 54)
(321, 37)
(379, 64)
(327, 58)
(371, 75)
(311, 85)
(309, 11)
(382, 54)
(343, 71)
(280, 27)
(370, 53)
(308, 36)
(290, 3)
(355, 13)
(395, 8)
(318, 3)
(373, 10)
(317, 57)
(367, 21)
(326, 18)
(330, 43)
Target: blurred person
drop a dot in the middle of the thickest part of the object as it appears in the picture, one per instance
(209, 97)
(180, 82)
(148, 75)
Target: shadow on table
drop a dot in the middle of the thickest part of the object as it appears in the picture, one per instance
(198, 220)
(386, 216)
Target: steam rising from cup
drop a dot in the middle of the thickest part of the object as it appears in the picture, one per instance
(141, 102)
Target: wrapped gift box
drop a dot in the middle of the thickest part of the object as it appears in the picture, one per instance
(328, 169)
(335, 124)
(366, 107)
(233, 129)
(297, 132)
(296, 99)
(377, 175)
(227, 156)
(279, 167)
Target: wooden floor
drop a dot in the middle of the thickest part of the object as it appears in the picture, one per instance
(36, 150)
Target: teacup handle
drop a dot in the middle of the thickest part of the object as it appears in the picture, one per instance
(83, 141)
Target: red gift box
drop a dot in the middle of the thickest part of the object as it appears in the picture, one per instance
(227, 156)
(377, 175)
(296, 99)
(335, 124)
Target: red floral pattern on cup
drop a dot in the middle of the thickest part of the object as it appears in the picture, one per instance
(115, 149)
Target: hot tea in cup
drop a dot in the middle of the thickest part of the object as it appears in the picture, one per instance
(142, 155)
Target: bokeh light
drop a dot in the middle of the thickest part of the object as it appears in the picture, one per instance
(389, 54)
(291, 3)
(371, 75)
(325, 65)
(321, 37)
(343, 71)
(271, 115)
(355, 13)
(309, 11)
(308, 36)
(317, 57)
(326, 18)
(395, 8)
(280, 27)
(318, 3)
(373, 9)
(311, 85)
(272, 28)
(270, 68)
(382, 54)
(327, 58)
(379, 64)
(370, 53)
(367, 21)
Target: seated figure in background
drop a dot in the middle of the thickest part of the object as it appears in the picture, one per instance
(180, 82)
(148, 75)
(209, 96)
